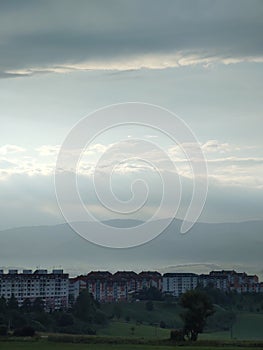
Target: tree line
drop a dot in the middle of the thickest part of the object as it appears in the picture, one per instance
(81, 318)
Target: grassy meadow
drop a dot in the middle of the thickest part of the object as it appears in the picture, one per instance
(143, 323)
(134, 322)
(64, 346)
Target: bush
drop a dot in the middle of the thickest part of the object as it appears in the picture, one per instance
(18, 320)
(77, 328)
(3, 329)
(100, 318)
(65, 319)
(26, 331)
(37, 326)
(177, 335)
(162, 324)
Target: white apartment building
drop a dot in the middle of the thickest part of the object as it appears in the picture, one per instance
(176, 284)
(52, 288)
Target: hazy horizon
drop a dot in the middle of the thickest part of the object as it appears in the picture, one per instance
(132, 220)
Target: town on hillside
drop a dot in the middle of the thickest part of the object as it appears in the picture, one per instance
(58, 291)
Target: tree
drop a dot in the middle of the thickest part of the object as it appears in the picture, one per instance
(177, 335)
(3, 305)
(26, 305)
(132, 330)
(117, 311)
(3, 330)
(65, 319)
(151, 293)
(12, 303)
(85, 307)
(198, 307)
(38, 305)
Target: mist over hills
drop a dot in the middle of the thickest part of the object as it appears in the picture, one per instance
(205, 247)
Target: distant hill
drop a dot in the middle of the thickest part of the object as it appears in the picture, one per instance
(205, 247)
(123, 223)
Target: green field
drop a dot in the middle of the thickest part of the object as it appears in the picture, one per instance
(144, 325)
(248, 326)
(168, 312)
(124, 329)
(62, 346)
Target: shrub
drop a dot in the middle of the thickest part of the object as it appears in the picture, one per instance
(65, 319)
(162, 324)
(3, 329)
(100, 317)
(177, 335)
(26, 331)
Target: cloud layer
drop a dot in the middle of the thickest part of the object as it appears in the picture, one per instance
(56, 36)
(27, 182)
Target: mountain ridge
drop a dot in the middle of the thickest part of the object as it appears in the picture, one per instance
(226, 245)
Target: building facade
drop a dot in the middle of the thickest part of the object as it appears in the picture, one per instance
(52, 288)
(230, 280)
(176, 284)
(57, 291)
(120, 286)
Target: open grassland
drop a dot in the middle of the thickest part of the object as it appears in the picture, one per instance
(168, 312)
(248, 326)
(44, 345)
(128, 329)
(146, 323)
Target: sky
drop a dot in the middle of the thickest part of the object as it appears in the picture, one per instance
(62, 60)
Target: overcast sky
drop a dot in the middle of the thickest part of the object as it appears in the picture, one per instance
(61, 60)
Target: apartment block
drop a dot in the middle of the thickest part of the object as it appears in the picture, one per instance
(176, 284)
(230, 280)
(120, 286)
(52, 288)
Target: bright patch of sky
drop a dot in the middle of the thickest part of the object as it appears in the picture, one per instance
(200, 59)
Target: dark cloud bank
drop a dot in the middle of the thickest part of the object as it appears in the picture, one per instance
(37, 35)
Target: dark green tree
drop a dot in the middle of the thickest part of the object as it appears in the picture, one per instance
(3, 305)
(117, 311)
(12, 303)
(198, 307)
(85, 307)
(151, 293)
(3, 330)
(38, 305)
(65, 319)
(26, 306)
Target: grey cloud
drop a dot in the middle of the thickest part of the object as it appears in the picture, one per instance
(55, 33)
(30, 200)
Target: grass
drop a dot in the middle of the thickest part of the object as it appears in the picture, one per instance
(247, 326)
(137, 312)
(124, 329)
(215, 336)
(43, 345)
